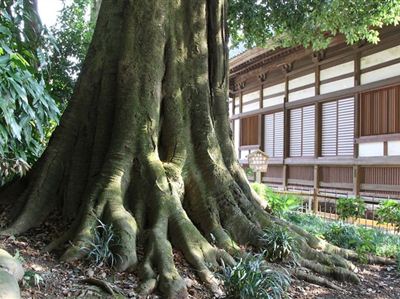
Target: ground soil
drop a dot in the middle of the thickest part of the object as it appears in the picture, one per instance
(60, 280)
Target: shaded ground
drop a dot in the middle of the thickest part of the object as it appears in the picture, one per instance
(55, 280)
(379, 282)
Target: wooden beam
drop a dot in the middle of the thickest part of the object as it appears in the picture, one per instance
(348, 92)
(378, 138)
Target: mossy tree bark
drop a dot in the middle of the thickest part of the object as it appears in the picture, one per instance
(145, 145)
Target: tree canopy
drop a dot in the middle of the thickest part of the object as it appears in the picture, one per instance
(309, 22)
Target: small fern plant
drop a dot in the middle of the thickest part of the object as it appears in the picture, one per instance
(280, 244)
(100, 248)
(251, 277)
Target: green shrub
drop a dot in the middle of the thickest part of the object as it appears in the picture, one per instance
(311, 223)
(363, 240)
(251, 279)
(259, 189)
(281, 204)
(99, 250)
(343, 235)
(280, 244)
(350, 208)
(389, 212)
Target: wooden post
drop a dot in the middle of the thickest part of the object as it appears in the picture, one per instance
(285, 177)
(286, 126)
(357, 128)
(316, 189)
(258, 177)
(356, 180)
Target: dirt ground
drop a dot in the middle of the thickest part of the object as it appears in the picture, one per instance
(59, 280)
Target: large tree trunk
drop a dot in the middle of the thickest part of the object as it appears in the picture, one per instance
(145, 145)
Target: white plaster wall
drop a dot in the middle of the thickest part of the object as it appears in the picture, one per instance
(274, 89)
(394, 148)
(251, 107)
(371, 149)
(337, 85)
(244, 154)
(302, 94)
(273, 101)
(380, 74)
(301, 81)
(337, 70)
(251, 96)
(230, 105)
(380, 57)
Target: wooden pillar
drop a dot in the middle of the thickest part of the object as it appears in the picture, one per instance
(356, 180)
(259, 174)
(262, 96)
(241, 102)
(258, 177)
(261, 121)
(286, 126)
(285, 176)
(357, 78)
(316, 189)
(357, 81)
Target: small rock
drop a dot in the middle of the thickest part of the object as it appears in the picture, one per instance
(189, 282)
(90, 273)
(103, 275)
(8, 286)
(11, 265)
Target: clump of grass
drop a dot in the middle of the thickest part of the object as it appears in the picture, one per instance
(251, 278)
(280, 244)
(100, 249)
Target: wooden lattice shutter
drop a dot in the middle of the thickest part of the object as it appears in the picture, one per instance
(308, 131)
(274, 134)
(279, 132)
(329, 129)
(269, 135)
(338, 128)
(295, 132)
(346, 127)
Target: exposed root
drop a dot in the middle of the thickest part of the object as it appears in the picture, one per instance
(159, 257)
(302, 275)
(100, 283)
(338, 273)
(125, 228)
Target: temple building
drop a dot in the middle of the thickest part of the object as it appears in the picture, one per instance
(328, 120)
